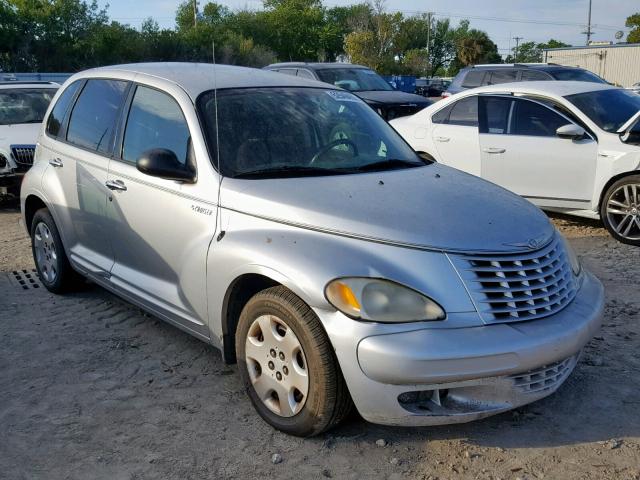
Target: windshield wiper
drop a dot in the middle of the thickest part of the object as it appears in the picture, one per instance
(389, 164)
(290, 171)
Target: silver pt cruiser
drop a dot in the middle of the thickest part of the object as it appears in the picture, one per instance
(283, 221)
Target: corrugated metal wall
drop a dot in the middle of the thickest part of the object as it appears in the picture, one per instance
(619, 64)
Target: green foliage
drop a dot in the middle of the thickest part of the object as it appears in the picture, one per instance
(531, 52)
(70, 35)
(633, 22)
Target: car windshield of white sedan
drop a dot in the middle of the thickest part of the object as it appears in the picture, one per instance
(295, 132)
(354, 79)
(609, 109)
(24, 105)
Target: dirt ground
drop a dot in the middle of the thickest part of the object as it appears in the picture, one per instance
(92, 388)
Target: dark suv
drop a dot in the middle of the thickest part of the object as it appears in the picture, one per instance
(361, 81)
(481, 75)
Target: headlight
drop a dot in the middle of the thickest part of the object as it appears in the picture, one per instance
(381, 301)
(573, 258)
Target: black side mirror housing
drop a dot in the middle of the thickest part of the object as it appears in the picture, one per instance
(163, 163)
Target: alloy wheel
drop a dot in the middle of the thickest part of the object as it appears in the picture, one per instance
(623, 211)
(277, 365)
(45, 250)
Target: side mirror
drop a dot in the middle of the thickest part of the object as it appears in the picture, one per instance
(163, 163)
(570, 131)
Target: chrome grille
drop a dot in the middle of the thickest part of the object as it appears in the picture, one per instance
(546, 377)
(23, 156)
(517, 287)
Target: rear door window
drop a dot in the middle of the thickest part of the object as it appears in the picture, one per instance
(473, 78)
(532, 75)
(305, 74)
(155, 121)
(494, 114)
(93, 119)
(503, 75)
(56, 117)
(465, 112)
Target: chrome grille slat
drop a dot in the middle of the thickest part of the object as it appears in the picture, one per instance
(23, 156)
(515, 268)
(512, 287)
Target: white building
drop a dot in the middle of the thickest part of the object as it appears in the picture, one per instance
(618, 64)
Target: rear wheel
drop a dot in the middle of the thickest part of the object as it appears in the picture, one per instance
(52, 264)
(288, 366)
(620, 210)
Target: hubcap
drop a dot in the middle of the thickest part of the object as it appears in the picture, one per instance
(45, 250)
(623, 211)
(277, 365)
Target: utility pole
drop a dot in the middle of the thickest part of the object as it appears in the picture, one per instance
(195, 12)
(588, 32)
(429, 73)
(515, 57)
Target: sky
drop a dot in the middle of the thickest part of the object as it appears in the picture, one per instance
(534, 20)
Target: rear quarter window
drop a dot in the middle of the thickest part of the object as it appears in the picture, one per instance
(56, 117)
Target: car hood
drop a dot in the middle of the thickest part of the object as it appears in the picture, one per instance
(19, 134)
(431, 207)
(394, 97)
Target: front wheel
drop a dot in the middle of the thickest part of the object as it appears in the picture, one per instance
(288, 366)
(620, 210)
(52, 264)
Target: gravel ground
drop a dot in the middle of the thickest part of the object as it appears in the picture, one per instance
(92, 387)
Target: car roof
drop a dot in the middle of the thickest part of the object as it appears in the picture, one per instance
(547, 67)
(560, 89)
(315, 65)
(195, 78)
(25, 84)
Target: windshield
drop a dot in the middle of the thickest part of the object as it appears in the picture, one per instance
(292, 132)
(577, 75)
(24, 105)
(609, 109)
(354, 79)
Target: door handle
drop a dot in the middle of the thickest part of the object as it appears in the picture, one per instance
(494, 150)
(116, 185)
(443, 139)
(56, 162)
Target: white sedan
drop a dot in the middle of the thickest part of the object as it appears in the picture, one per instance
(572, 147)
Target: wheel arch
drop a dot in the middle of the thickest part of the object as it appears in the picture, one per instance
(32, 204)
(239, 292)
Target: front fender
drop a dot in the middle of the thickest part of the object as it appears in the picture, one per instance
(305, 261)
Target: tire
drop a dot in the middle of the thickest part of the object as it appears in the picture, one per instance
(52, 264)
(620, 210)
(285, 318)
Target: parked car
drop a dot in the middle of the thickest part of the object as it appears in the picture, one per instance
(431, 87)
(22, 108)
(362, 81)
(572, 147)
(493, 74)
(286, 223)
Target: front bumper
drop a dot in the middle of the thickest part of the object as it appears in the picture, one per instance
(441, 376)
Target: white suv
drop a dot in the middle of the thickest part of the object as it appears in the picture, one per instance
(22, 108)
(572, 147)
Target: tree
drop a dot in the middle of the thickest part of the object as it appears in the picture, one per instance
(297, 29)
(633, 22)
(531, 52)
(476, 47)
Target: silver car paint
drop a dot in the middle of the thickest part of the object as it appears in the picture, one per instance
(168, 257)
